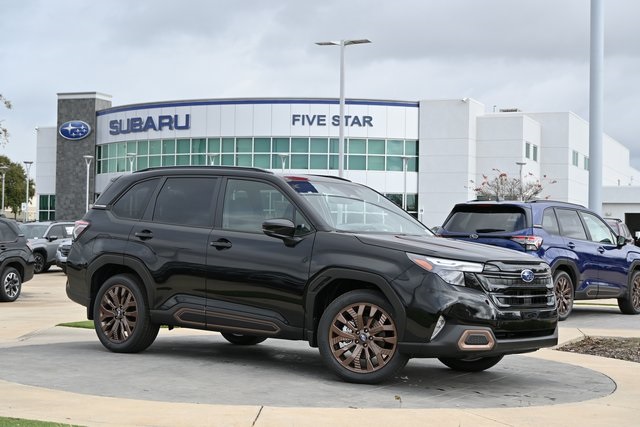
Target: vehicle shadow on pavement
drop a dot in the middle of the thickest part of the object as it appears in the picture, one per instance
(206, 369)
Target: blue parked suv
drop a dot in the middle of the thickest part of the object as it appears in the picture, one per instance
(588, 259)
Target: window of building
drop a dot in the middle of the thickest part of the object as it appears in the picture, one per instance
(585, 163)
(47, 207)
(574, 158)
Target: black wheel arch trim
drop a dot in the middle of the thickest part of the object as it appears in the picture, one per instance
(330, 275)
(119, 260)
(571, 265)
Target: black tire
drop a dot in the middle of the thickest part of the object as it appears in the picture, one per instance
(121, 315)
(471, 364)
(630, 303)
(40, 263)
(240, 339)
(358, 338)
(563, 288)
(10, 285)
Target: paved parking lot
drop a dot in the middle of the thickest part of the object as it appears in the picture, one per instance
(197, 367)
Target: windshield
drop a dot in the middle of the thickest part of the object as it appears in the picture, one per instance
(356, 208)
(33, 231)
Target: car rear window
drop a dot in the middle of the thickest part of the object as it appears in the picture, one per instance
(486, 220)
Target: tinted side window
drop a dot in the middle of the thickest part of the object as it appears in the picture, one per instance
(549, 222)
(186, 201)
(7, 234)
(598, 230)
(134, 202)
(570, 224)
(247, 204)
(57, 231)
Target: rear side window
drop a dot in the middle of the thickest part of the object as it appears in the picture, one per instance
(550, 222)
(134, 202)
(7, 234)
(186, 201)
(487, 220)
(570, 224)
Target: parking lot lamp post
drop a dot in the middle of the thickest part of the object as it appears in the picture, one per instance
(87, 160)
(132, 158)
(3, 170)
(405, 161)
(521, 164)
(27, 166)
(283, 160)
(342, 44)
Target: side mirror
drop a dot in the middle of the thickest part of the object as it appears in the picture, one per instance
(52, 238)
(281, 228)
(621, 241)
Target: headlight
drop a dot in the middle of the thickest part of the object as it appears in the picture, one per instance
(450, 270)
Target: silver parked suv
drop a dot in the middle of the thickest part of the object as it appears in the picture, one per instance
(43, 238)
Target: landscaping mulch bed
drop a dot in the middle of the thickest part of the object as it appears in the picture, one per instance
(615, 348)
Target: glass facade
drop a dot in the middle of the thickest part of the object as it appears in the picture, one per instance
(47, 207)
(266, 153)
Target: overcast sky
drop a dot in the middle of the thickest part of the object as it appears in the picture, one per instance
(529, 54)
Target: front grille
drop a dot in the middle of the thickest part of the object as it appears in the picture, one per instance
(506, 288)
(64, 250)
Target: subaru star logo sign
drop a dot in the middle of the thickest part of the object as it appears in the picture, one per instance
(74, 130)
(527, 275)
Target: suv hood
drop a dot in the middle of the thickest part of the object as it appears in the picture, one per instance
(446, 248)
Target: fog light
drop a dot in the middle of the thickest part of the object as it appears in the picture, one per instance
(439, 326)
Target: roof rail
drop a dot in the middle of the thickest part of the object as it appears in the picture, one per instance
(245, 168)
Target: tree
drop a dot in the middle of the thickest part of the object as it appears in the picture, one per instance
(14, 186)
(4, 133)
(502, 187)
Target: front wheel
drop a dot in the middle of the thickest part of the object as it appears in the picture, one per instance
(471, 364)
(563, 288)
(10, 285)
(240, 339)
(121, 316)
(630, 303)
(358, 338)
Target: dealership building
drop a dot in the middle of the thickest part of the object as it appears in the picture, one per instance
(429, 153)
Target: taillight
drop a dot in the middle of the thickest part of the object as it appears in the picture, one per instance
(530, 243)
(79, 227)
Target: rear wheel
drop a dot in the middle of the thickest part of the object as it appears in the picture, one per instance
(358, 338)
(630, 303)
(240, 339)
(563, 288)
(40, 262)
(471, 364)
(10, 285)
(121, 316)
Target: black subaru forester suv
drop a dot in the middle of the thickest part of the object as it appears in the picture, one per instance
(256, 255)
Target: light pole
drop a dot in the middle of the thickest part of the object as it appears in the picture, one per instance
(213, 158)
(87, 160)
(3, 170)
(27, 166)
(132, 158)
(521, 164)
(405, 161)
(283, 160)
(342, 44)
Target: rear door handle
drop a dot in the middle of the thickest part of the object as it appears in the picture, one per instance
(144, 234)
(571, 245)
(221, 244)
(601, 249)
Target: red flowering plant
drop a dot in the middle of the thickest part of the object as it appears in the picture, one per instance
(503, 187)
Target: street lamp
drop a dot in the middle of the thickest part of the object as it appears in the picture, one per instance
(521, 164)
(405, 161)
(342, 44)
(87, 160)
(27, 166)
(132, 158)
(3, 170)
(283, 160)
(213, 158)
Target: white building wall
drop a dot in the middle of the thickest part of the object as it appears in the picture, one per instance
(447, 156)
(46, 160)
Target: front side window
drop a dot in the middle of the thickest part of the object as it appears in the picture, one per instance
(7, 234)
(598, 230)
(247, 204)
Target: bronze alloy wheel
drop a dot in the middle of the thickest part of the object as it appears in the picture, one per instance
(635, 292)
(363, 337)
(118, 313)
(564, 294)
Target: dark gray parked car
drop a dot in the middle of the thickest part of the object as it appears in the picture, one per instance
(44, 238)
(16, 261)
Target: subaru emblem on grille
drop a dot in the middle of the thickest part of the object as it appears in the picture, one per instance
(527, 275)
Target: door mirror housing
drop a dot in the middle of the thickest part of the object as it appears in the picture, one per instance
(281, 228)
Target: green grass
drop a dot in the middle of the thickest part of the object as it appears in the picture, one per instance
(19, 422)
(83, 324)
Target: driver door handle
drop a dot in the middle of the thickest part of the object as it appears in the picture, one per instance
(221, 244)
